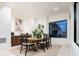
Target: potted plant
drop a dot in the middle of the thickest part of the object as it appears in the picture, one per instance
(38, 32)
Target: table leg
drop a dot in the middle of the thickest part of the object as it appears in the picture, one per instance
(35, 47)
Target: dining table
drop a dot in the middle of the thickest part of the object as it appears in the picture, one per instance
(35, 42)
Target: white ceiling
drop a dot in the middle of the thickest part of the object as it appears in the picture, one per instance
(39, 9)
(2, 4)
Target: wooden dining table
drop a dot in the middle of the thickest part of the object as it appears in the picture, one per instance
(35, 41)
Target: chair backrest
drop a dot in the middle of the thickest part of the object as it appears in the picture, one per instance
(44, 39)
(23, 38)
(47, 37)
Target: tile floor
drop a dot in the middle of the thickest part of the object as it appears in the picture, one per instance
(65, 50)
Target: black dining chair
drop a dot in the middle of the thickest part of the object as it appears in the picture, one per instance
(46, 42)
(49, 44)
(25, 42)
(43, 43)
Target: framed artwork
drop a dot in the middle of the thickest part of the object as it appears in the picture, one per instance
(18, 24)
(58, 29)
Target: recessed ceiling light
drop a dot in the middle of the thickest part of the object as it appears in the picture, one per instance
(56, 9)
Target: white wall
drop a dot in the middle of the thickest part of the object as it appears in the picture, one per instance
(29, 24)
(62, 16)
(5, 26)
(74, 46)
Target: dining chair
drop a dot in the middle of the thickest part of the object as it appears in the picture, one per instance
(25, 42)
(43, 43)
(49, 44)
(46, 42)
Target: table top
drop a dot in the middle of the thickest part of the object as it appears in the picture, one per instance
(34, 39)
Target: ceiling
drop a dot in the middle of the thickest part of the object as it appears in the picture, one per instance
(2, 4)
(39, 9)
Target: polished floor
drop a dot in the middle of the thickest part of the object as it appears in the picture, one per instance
(56, 50)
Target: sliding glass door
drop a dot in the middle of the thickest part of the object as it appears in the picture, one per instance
(76, 23)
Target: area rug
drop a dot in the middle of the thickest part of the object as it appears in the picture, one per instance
(53, 51)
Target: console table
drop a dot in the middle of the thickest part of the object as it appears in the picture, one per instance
(15, 40)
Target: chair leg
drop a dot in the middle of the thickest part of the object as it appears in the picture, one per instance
(21, 49)
(47, 46)
(44, 47)
(26, 50)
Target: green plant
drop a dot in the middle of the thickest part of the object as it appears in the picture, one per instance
(38, 32)
(34, 32)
